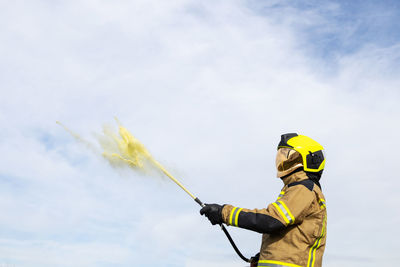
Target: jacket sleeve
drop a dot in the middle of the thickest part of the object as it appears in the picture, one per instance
(290, 208)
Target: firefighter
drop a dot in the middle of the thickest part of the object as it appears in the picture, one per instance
(293, 227)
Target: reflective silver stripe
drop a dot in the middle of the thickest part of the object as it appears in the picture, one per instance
(321, 202)
(276, 264)
(231, 216)
(285, 212)
(281, 194)
(312, 254)
(234, 216)
(271, 265)
(316, 245)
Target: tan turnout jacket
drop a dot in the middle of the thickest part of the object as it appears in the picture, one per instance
(293, 227)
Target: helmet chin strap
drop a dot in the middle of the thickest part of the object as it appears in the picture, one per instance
(315, 177)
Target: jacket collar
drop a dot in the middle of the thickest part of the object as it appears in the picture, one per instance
(296, 176)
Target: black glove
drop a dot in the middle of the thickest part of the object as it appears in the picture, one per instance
(213, 212)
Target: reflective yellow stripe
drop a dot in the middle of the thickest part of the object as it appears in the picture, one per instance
(284, 211)
(231, 215)
(269, 263)
(322, 203)
(313, 249)
(281, 194)
(237, 217)
(287, 210)
(281, 212)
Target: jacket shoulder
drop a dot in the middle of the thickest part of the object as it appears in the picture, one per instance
(307, 183)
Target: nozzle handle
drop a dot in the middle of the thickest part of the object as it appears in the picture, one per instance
(199, 201)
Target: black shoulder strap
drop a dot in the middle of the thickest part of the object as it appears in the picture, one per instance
(307, 183)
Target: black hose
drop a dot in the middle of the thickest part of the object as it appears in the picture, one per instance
(227, 235)
(233, 244)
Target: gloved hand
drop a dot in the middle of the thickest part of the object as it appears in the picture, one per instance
(213, 212)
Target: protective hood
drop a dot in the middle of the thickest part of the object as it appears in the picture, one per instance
(287, 161)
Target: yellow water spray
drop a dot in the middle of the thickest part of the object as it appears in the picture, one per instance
(126, 149)
(131, 151)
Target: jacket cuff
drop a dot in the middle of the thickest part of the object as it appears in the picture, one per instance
(226, 211)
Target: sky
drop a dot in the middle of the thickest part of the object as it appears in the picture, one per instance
(208, 87)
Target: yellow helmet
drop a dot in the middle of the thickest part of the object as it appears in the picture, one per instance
(310, 150)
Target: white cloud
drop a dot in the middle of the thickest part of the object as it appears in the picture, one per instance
(51, 253)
